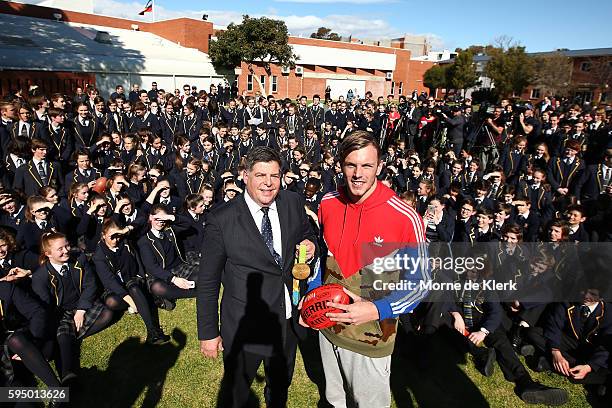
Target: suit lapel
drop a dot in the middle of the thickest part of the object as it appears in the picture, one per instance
(248, 223)
(283, 217)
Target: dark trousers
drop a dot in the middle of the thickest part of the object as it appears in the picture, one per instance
(508, 361)
(241, 367)
(574, 351)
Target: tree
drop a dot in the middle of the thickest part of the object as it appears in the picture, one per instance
(510, 69)
(462, 73)
(600, 69)
(435, 77)
(552, 73)
(324, 33)
(255, 40)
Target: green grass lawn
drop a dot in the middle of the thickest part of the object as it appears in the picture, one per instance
(118, 370)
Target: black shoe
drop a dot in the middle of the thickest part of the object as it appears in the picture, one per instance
(485, 364)
(69, 379)
(527, 350)
(536, 393)
(164, 303)
(515, 337)
(157, 338)
(542, 365)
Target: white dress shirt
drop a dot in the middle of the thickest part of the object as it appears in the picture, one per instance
(257, 215)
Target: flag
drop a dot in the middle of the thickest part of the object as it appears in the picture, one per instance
(148, 8)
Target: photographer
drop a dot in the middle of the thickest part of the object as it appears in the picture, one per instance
(527, 125)
(494, 134)
(456, 124)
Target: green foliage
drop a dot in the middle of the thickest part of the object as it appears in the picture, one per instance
(435, 77)
(511, 69)
(552, 73)
(254, 40)
(324, 33)
(462, 73)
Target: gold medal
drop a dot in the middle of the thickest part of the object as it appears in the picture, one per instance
(301, 270)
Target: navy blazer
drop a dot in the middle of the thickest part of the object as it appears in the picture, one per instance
(114, 279)
(16, 304)
(565, 319)
(28, 180)
(47, 284)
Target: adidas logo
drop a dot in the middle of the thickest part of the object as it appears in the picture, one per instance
(378, 241)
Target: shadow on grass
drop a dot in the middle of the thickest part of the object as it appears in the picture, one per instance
(132, 368)
(429, 370)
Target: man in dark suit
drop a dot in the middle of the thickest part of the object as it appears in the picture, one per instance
(259, 321)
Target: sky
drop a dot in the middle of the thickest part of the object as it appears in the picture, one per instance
(537, 25)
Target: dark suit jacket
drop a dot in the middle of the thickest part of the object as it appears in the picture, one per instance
(253, 283)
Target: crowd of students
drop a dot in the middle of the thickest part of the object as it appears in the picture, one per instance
(104, 202)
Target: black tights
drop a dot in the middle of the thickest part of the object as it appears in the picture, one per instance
(32, 358)
(68, 343)
(170, 291)
(146, 310)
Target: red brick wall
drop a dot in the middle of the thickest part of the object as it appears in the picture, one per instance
(48, 82)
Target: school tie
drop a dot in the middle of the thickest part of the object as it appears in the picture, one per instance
(24, 131)
(64, 270)
(584, 312)
(162, 235)
(266, 232)
(468, 317)
(43, 225)
(19, 162)
(42, 173)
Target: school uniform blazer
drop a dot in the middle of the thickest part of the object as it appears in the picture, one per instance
(28, 180)
(108, 273)
(154, 258)
(566, 176)
(565, 319)
(75, 176)
(29, 234)
(60, 144)
(47, 283)
(16, 302)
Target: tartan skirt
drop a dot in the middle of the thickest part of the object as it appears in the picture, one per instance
(66, 325)
(186, 270)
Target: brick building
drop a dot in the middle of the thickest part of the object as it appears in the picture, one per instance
(59, 50)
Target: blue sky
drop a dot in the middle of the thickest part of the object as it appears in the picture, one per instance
(539, 25)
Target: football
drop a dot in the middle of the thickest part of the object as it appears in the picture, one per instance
(100, 186)
(314, 307)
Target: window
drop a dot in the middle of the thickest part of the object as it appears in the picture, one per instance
(274, 84)
(535, 93)
(250, 83)
(585, 66)
(401, 88)
(392, 88)
(262, 79)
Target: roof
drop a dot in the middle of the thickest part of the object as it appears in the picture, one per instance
(37, 44)
(342, 57)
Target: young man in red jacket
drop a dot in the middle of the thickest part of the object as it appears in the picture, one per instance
(362, 223)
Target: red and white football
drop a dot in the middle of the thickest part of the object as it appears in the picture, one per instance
(100, 186)
(314, 307)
